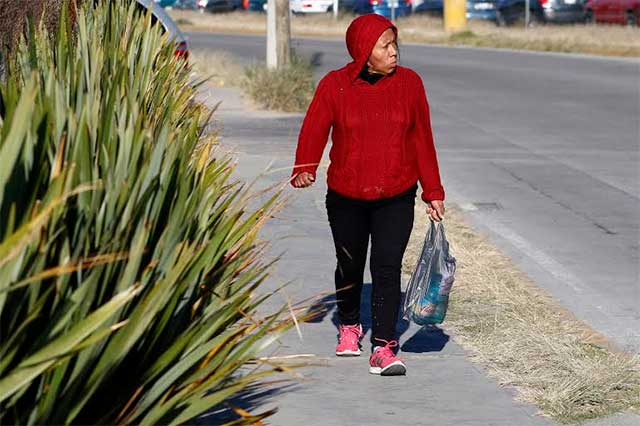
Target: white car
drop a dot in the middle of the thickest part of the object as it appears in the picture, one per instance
(311, 6)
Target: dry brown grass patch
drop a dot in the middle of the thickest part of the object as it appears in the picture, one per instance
(288, 90)
(220, 67)
(524, 338)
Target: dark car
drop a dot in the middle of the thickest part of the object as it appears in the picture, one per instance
(240, 4)
(430, 7)
(541, 11)
(613, 11)
(257, 5)
(482, 9)
(218, 6)
(510, 11)
(383, 7)
(346, 6)
(185, 4)
(165, 3)
(361, 7)
(563, 11)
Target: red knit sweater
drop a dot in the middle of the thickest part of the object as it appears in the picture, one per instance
(382, 142)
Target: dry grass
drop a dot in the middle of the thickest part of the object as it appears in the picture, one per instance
(590, 39)
(220, 67)
(288, 90)
(524, 338)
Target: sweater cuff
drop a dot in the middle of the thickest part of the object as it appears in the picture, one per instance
(433, 194)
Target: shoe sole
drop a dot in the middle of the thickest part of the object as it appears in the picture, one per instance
(395, 369)
(348, 353)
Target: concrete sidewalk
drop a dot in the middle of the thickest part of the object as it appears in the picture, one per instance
(441, 387)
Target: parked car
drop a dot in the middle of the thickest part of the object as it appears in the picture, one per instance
(613, 11)
(361, 7)
(305, 6)
(383, 7)
(165, 3)
(240, 4)
(216, 6)
(257, 5)
(431, 7)
(346, 6)
(476, 9)
(311, 6)
(182, 49)
(563, 11)
(482, 10)
(186, 4)
(541, 11)
(510, 11)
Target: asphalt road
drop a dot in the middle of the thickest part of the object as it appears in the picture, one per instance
(542, 151)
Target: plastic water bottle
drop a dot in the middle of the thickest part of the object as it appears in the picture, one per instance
(431, 299)
(433, 291)
(441, 310)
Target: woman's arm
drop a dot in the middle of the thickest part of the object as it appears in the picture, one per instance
(314, 132)
(426, 157)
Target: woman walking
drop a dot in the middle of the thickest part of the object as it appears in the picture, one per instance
(382, 146)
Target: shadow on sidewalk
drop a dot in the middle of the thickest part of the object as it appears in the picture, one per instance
(426, 339)
(250, 400)
(429, 338)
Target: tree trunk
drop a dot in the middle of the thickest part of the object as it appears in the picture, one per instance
(283, 33)
(278, 34)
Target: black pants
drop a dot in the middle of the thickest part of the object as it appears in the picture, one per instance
(388, 222)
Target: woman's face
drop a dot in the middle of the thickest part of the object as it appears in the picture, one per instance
(384, 56)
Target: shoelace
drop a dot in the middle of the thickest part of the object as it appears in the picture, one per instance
(386, 350)
(389, 344)
(355, 329)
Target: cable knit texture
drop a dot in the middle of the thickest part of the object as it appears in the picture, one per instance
(382, 142)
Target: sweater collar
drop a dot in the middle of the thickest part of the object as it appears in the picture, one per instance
(369, 77)
(383, 81)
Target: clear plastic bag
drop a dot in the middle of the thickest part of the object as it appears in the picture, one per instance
(427, 296)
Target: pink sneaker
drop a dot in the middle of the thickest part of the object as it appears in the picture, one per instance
(385, 363)
(349, 340)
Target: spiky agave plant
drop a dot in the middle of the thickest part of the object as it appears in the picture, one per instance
(128, 256)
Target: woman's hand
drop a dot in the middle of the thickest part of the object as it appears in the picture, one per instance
(303, 180)
(435, 210)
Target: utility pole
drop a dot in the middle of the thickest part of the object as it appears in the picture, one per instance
(527, 13)
(278, 34)
(335, 9)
